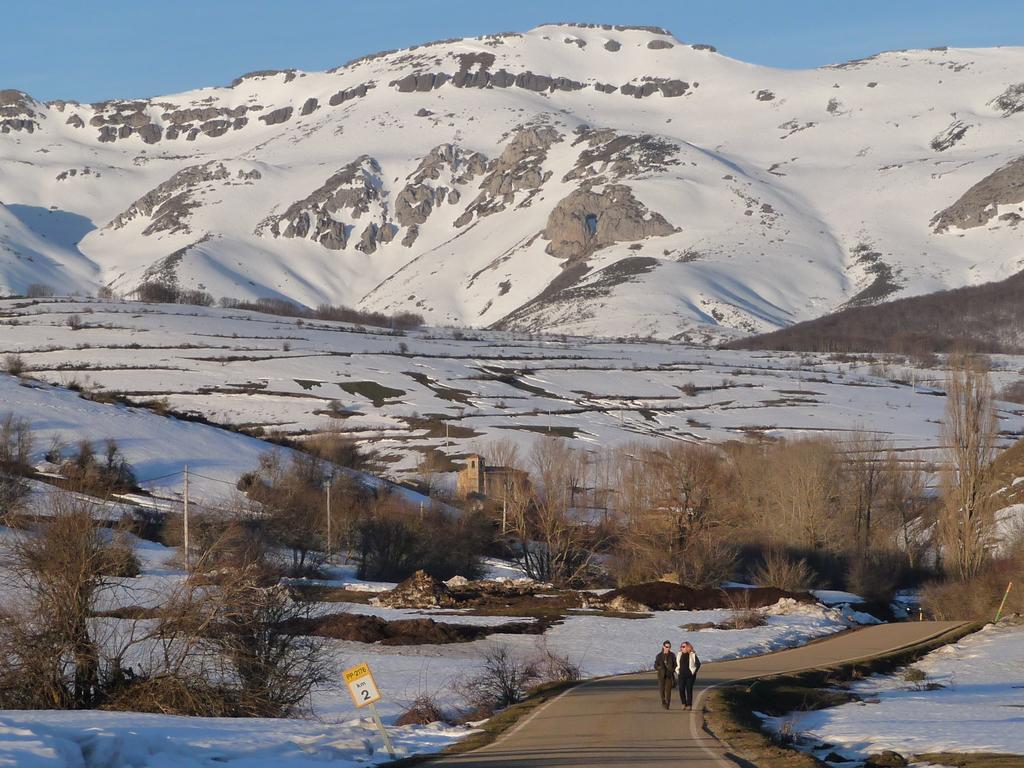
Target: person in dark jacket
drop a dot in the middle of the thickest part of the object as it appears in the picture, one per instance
(665, 665)
(687, 665)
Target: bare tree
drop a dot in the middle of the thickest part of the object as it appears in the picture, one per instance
(803, 493)
(675, 508)
(291, 494)
(551, 541)
(866, 478)
(969, 437)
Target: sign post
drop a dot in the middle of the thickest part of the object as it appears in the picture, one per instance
(1002, 605)
(365, 693)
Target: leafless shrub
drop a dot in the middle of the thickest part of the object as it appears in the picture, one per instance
(14, 364)
(55, 452)
(784, 572)
(552, 666)
(50, 654)
(977, 599)
(291, 494)
(74, 322)
(337, 447)
(708, 561)
(227, 647)
(502, 681)
(15, 444)
(119, 559)
(284, 308)
(393, 541)
(876, 575)
(423, 710)
(98, 476)
(743, 615)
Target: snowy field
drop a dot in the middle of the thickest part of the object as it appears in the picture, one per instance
(601, 645)
(976, 709)
(434, 389)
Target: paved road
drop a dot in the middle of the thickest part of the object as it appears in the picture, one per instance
(619, 721)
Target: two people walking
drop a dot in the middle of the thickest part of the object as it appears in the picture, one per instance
(676, 670)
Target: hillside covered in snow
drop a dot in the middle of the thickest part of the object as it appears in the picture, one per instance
(589, 179)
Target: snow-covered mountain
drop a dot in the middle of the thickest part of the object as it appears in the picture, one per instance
(590, 179)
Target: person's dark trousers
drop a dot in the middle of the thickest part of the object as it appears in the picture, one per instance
(686, 689)
(665, 685)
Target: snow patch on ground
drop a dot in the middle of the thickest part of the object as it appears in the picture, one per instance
(977, 709)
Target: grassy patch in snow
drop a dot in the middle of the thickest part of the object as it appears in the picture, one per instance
(376, 393)
(731, 711)
(559, 431)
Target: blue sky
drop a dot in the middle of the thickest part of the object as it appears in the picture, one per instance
(88, 51)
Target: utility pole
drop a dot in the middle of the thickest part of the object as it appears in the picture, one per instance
(188, 559)
(330, 480)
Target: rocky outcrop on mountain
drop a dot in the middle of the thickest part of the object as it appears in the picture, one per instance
(277, 116)
(588, 220)
(349, 94)
(168, 205)
(17, 112)
(122, 119)
(429, 81)
(348, 194)
(950, 136)
(309, 106)
(979, 204)
(1010, 101)
(669, 88)
(614, 156)
(419, 197)
(519, 168)
(658, 45)
(289, 75)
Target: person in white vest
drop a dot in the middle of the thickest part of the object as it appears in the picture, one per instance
(687, 665)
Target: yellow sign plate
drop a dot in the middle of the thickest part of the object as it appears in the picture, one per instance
(361, 685)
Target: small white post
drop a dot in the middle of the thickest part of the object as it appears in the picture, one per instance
(383, 730)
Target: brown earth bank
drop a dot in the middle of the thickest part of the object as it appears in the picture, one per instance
(668, 596)
(373, 629)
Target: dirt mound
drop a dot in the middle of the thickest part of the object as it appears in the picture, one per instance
(667, 596)
(373, 629)
(421, 590)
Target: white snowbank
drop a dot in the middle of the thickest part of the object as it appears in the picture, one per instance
(977, 709)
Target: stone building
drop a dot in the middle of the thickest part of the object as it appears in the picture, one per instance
(477, 480)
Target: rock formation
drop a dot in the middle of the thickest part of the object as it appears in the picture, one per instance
(589, 220)
(979, 204)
